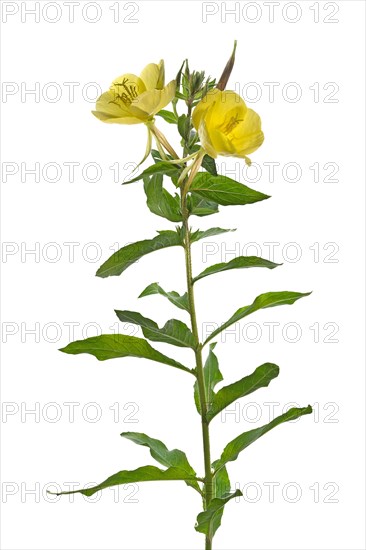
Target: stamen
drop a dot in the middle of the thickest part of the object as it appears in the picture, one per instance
(234, 121)
(129, 94)
(133, 91)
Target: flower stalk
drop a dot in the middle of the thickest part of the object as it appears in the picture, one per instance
(208, 480)
(192, 169)
(163, 140)
(186, 181)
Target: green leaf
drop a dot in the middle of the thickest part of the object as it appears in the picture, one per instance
(145, 473)
(180, 96)
(128, 255)
(112, 346)
(260, 378)
(198, 235)
(159, 451)
(209, 164)
(201, 207)
(157, 157)
(237, 263)
(168, 116)
(174, 332)
(179, 77)
(162, 167)
(184, 126)
(221, 487)
(237, 445)
(173, 297)
(212, 376)
(210, 520)
(223, 190)
(269, 299)
(159, 201)
(221, 483)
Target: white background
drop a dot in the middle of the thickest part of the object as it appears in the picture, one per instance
(323, 451)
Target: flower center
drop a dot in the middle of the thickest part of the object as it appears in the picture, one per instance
(127, 92)
(233, 122)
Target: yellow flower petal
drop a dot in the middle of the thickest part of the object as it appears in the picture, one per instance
(146, 103)
(201, 109)
(152, 101)
(108, 105)
(132, 99)
(228, 107)
(150, 75)
(161, 80)
(153, 76)
(206, 141)
(223, 145)
(167, 94)
(112, 111)
(128, 84)
(226, 126)
(222, 105)
(248, 135)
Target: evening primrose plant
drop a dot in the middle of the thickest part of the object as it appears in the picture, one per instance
(215, 122)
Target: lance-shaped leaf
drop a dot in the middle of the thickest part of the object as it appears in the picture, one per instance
(112, 346)
(162, 167)
(126, 256)
(178, 300)
(184, 126)
(223, 190)
(237, 445)
(198, 235)
(260, 378)
(159, 451)
(173, 332)
(157, 157)
(212, 376)
(237, 263)
(210, 520)
(221, 483)
(168, 116)
(159, 201)
(209, 164)
(145, 473)
(221, 488)
(269, 299)
(198, 206)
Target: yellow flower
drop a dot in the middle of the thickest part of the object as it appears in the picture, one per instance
(226, 126)
(135, 99)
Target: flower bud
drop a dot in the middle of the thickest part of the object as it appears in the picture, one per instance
(221, 85)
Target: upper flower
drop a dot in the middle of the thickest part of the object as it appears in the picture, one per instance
(226, 126)
(134, 99)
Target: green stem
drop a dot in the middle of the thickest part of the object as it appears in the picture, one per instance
(189, 116)
(199, 367)
(208, 479)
